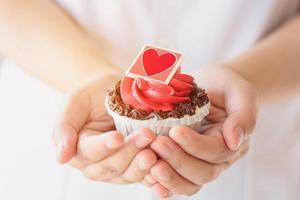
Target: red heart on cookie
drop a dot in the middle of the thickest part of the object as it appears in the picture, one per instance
(154, 63)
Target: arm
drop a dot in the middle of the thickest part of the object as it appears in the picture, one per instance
(48, 44)
(273, 65)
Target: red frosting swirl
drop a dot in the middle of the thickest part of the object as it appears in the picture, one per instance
(151, 95)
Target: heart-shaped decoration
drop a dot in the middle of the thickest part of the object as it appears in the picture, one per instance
(154, 63)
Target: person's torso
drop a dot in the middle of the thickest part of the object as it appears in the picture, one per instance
(204, 31)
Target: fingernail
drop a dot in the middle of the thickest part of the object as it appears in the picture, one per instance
(163, 175)
(239, 132)
(142, 141)
(165, 149)
(167, 195)
(150, 179)
(113, 144)
(59, 148)
(184, 138)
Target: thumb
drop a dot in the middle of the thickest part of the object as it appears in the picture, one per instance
(241, 107)
(236, 128)
(70, 122)
(65, 141)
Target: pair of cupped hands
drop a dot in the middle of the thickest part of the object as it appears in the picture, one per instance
(178, 164)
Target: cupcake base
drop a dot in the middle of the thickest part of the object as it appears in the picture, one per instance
(128, 125)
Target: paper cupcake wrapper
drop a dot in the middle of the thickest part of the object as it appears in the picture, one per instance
(127, 125)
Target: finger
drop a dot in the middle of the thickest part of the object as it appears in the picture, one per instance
(242, 152)
(67, 127)
(173, 182)
(210, 147)
(140, 166)
(147, 183)
(119, 181)
(149, 180)
(116, 164)
(65, 141)
(161, 191)
(193, 169)
(94, 147)
(241, 106)
(236, 129)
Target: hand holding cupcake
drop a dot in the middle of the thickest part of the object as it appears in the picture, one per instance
(86, 138)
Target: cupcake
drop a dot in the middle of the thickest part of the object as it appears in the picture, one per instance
(141, 102)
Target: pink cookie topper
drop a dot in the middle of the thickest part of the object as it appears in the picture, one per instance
(154, 63)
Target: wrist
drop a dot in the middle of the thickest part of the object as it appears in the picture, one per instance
(89, 65)
(106, 73)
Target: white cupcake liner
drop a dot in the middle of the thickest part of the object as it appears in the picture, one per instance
(127, 125)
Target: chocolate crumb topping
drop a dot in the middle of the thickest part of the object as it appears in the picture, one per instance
(198, 99)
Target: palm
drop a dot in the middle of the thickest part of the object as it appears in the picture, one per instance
(83, 113)
(214, 121)
(90, 105)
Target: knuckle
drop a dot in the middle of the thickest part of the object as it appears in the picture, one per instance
(110, 172)
(192, 192)
(213, 173)
(134, 176)
(246, 150)
(180, 164)
(222, 156)
(120, 181)
(91, 177)
(252, 121)
(193, 147)
(145, 130)
(102, 173)
(174, 185)
(177, 130)
(135, 179)
(164, 195)
(243, 151)
(77, 163)
(148, 156)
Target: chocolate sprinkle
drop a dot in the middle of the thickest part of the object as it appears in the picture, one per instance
(198, 99)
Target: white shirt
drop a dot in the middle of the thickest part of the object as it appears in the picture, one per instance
(205, 32)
